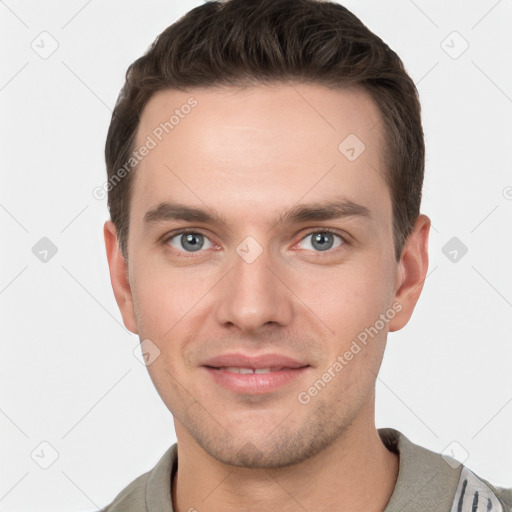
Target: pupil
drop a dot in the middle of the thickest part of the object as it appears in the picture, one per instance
(320, 239)
(189, 239)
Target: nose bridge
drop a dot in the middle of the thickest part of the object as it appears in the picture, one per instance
(251, 295)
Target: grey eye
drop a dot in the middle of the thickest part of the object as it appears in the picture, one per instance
(323, 240)
(190, 242)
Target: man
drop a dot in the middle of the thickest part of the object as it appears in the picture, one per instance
(265, 162)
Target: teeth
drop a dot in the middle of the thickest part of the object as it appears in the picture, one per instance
(235, 369)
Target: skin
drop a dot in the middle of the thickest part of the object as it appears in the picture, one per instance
(250, 154)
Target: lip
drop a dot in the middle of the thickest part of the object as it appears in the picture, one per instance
(272, 361)
(283, 371)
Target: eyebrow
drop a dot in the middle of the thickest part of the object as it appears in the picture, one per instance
(331, 210)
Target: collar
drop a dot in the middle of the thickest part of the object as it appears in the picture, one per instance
(425, 480)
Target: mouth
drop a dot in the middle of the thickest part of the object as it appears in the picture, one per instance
(237, 369)
(254, 381)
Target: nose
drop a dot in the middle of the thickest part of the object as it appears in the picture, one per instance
(254, 294)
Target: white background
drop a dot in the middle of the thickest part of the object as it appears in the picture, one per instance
(68, 373)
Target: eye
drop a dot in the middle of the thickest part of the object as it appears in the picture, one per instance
(323, 240)
(188, 241)
(193, 241)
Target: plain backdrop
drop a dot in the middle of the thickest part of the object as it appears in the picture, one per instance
(73, 395)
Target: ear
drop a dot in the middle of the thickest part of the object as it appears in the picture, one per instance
(411, 274)
(119, 277)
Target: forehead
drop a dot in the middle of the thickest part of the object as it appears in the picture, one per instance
(271, 108)
(261, 144)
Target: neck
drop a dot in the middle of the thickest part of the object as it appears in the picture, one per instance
(356, 472)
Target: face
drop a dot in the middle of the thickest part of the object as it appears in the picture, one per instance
(289, 264)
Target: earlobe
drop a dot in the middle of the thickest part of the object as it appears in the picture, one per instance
(119, 277)
(411, 273)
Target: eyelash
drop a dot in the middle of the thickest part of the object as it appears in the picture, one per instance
(182, 254)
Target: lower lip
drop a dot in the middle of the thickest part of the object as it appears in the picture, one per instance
(255, 383)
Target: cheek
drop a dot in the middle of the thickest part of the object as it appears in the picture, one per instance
(348, 298)
(163, 297)
(154, 306)
(161, 309)
(167, 303)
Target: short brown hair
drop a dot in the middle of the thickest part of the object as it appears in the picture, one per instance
(249, 42)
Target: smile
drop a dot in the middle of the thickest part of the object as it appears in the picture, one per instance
(237, 369)
(254, 381)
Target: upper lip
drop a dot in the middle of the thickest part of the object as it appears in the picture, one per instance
(272, 361)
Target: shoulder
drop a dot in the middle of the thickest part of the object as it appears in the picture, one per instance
(474, 492)
(132, 498)
(430, 481)
(149, 491)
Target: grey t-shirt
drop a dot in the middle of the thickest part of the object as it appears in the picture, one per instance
(427, 482)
